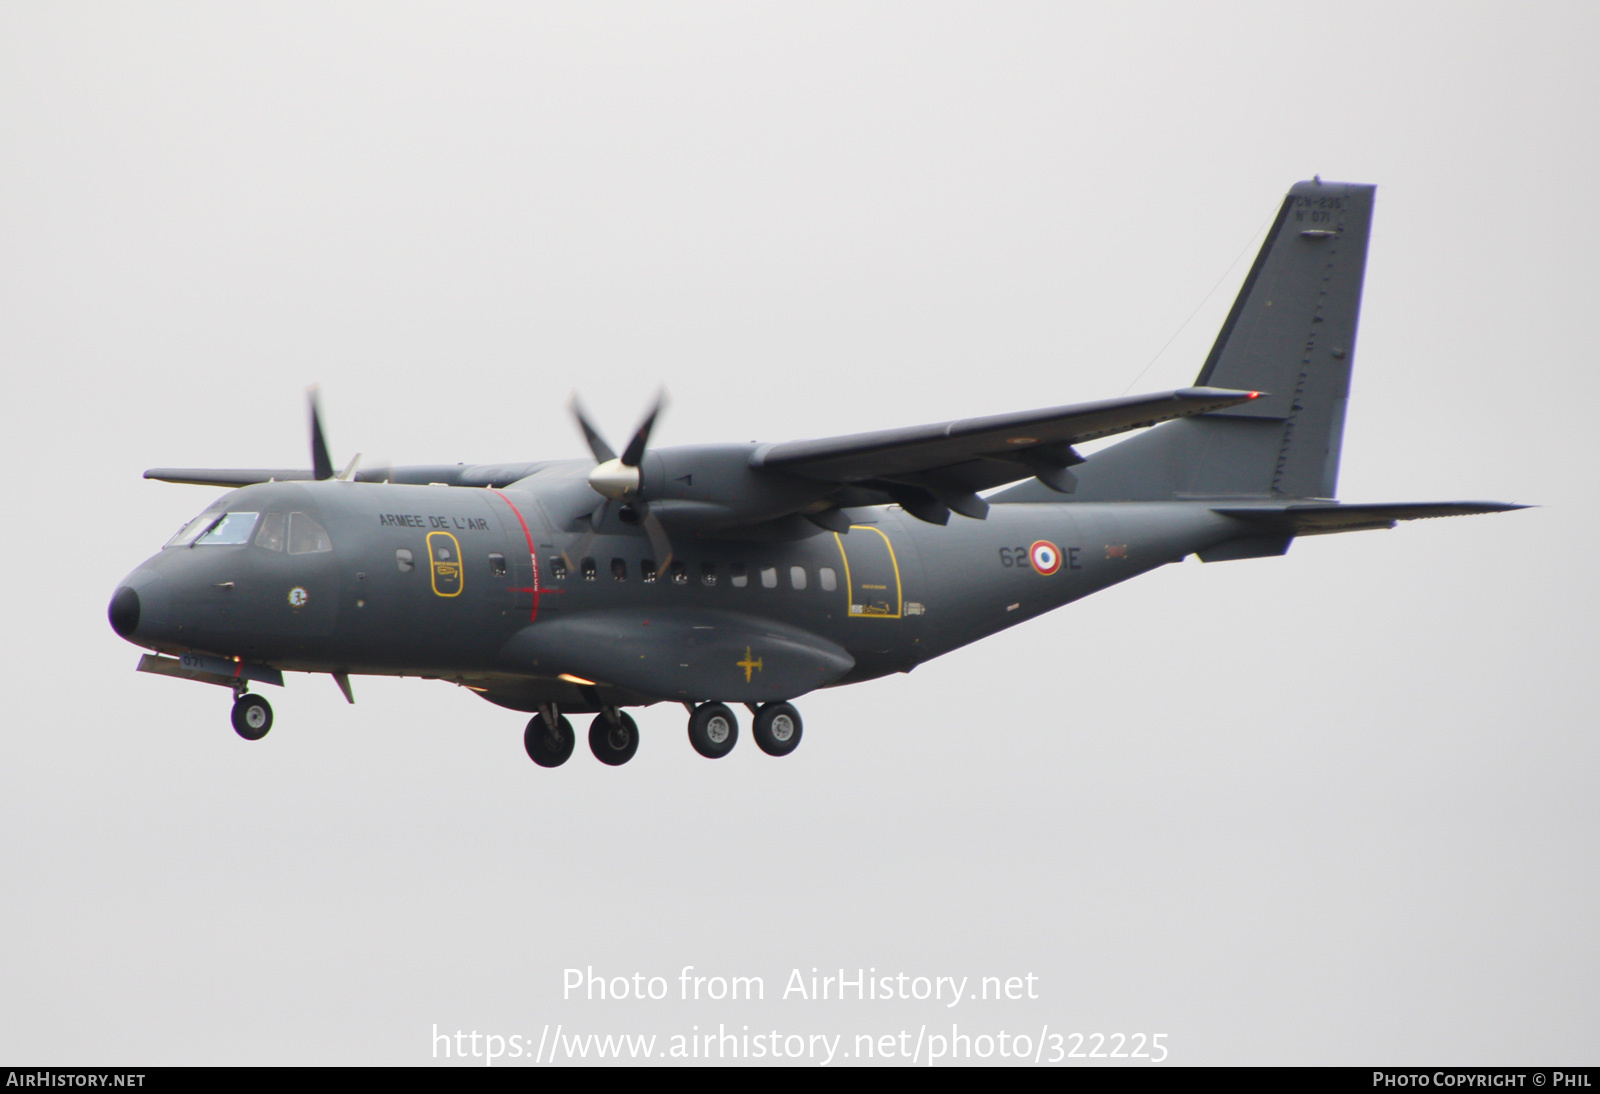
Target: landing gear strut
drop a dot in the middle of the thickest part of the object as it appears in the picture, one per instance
(252, 716)
(613, 737)
(777, 729)
(549, 738)
(713, 730)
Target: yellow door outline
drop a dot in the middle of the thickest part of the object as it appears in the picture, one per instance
(453, 573)
(866, 611)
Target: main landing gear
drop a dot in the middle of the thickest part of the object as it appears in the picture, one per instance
(777, 729)
(614, 736)
(549, 737)
(252, 716)
(713, 729)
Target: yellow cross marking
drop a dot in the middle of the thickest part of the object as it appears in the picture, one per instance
(749, 665)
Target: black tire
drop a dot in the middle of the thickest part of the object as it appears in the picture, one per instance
(777, 729)
(713, 730)
(252, 717)
(613, 743)
(547, 748)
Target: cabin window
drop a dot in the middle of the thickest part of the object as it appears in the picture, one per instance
(306, 536)
(708, 573)
(588, 568)
(404, 559)
(497, 564)
(558, 568)
(232, 529)
(736, 575)
(680, 573)
(769, 577)
(829, 579)
(647, 571)
(619, 569)
(797, 576)
(270, 535)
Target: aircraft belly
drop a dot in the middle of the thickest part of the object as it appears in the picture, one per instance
(688, 655)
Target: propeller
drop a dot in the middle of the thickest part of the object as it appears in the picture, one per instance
(321, 462)
(617, 480)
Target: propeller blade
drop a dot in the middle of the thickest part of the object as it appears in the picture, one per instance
(641, 436)
(581, 545)
(321, 464)
(659, 543)
(349, 468)
(597, 444)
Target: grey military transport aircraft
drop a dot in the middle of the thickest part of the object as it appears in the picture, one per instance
(713, 575)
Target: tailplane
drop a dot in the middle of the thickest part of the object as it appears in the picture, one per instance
(1291, 335)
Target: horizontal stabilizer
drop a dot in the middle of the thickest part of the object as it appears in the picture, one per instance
(1322, 518)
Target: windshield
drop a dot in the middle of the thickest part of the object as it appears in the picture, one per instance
(189, 532)
(232, 529)
(200, 525)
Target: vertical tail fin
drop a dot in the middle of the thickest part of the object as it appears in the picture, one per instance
(1290, 334)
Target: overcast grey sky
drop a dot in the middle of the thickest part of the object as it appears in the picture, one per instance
(1337, 807)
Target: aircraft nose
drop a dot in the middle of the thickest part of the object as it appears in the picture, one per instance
(124, 612)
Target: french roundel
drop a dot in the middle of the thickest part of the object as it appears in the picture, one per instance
(1045, 556)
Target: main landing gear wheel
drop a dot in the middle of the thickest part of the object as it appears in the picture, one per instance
(713, 730)
(252, 717)
(613, 738)
(549, 746)
(777, 729)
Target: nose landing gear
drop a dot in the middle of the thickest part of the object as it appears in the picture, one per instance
(252, 716)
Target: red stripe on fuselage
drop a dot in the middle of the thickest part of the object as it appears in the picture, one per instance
(533, 558)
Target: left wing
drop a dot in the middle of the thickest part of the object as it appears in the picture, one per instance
(949, 462)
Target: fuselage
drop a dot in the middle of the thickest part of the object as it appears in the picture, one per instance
(452, 583)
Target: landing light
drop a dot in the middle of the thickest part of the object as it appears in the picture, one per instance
(571, 679)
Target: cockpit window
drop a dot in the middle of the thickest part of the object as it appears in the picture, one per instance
(306, 536)
(271, 534)
(231, 530)
(191, 531)
(203, 523)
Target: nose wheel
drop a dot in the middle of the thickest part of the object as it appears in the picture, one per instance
(613, 737)
(252, 717)
(713, 730)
